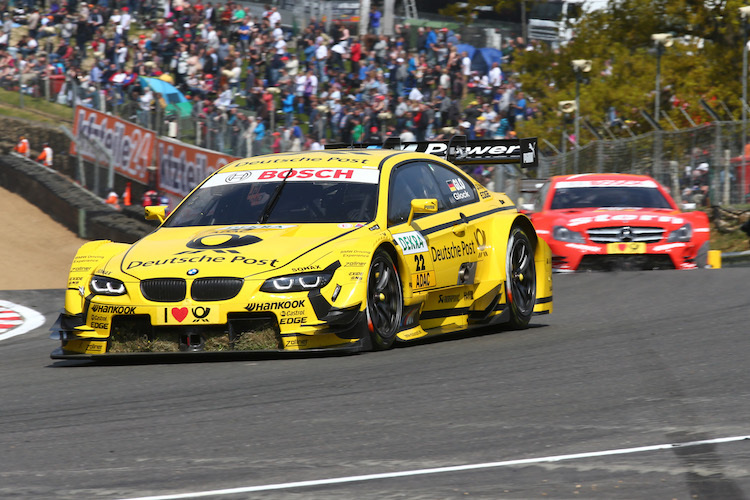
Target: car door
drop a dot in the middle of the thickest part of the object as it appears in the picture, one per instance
(466, 237)
(439, 248)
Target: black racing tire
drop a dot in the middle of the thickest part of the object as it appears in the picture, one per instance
(520, 279)
(701, 258)
(385, 301)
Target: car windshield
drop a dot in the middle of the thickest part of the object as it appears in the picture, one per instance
(297, 202)
(615, 197)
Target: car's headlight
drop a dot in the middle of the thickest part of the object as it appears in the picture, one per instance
(562, 233)
(685, 233)
(296, 282)
(101, 285)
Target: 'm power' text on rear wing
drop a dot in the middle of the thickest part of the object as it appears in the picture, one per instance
(462, 151)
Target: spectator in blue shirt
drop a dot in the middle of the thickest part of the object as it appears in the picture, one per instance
(429, 44)
(287, 107)
(375, 16)
(297, 130)
(95, 76)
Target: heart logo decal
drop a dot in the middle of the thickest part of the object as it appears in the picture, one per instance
(179, 313)
(623, 246)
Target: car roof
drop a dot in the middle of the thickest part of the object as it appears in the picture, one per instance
(601, 177)
(329, 158)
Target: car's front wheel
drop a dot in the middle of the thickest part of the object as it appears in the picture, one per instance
(520, 281)
(385, 301)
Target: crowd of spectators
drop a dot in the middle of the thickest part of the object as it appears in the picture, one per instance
(255, 85)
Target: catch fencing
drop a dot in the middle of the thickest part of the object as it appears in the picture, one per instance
(219, 133)
(671, 156)
(677, 158)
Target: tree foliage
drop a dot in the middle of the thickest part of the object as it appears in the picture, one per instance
(705, 61)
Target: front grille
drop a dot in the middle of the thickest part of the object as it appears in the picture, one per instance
(206, 289)
(242, 332)
(164, 289)
(625, 262)
(620, 234)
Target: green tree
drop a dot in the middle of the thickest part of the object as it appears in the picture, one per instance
(705, 61)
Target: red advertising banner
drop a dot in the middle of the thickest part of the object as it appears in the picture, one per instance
(132, 146)
(182, 167)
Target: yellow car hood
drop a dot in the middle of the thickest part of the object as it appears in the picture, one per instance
(227, 251)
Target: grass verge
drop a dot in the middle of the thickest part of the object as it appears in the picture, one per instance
(33, 109)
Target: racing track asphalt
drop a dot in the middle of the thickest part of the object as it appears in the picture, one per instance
(627, 360)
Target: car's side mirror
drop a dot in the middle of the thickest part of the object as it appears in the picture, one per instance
(422, 206)
(156, 212)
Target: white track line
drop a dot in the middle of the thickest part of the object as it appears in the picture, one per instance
(32, 320)
(440, 470)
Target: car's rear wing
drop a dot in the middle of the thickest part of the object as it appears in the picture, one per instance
(461, 151)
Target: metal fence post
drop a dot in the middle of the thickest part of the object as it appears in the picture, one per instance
(656, 163)
(674, 168)
(715, 160)
(725, 193)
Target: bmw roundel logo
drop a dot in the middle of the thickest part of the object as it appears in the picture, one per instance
(192, 272)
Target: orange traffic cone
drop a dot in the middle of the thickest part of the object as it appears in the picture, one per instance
(126, 195)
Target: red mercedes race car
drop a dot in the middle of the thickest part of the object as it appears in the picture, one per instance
(617, 221)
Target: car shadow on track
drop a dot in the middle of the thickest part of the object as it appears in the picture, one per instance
(190, 357)
(465, 334)
(150, 358)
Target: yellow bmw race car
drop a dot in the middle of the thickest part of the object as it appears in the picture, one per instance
(349, 249)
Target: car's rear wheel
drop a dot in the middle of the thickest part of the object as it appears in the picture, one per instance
(520, 280)
(385, 301)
